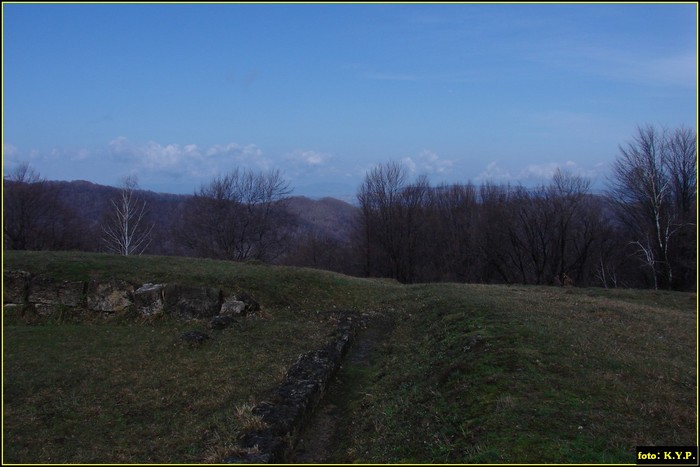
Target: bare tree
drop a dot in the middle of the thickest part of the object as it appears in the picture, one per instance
(34, 217)
(237, 216)
(393, 221)
(378, 196)
(556, 233)
(681, 158)
(652, 189)
(23, 207)
(681, 163)
(127, 231)
(568, 194)
(500, 259)
(453, 228)
(314, 250)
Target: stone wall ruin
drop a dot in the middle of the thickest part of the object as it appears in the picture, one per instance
(46, 295)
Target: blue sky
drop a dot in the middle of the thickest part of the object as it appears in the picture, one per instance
(178, 93)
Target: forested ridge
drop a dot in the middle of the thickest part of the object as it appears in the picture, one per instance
(641, 232)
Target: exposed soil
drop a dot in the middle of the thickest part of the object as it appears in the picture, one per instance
(322, 440)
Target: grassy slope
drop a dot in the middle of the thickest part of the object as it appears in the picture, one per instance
(532, 374)
(471, 373)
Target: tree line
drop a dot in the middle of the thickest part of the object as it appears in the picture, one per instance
(641, 232)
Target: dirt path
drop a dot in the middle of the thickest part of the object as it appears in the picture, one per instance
(321, 441)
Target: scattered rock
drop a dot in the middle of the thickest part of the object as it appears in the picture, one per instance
(473, 341)
(195, 337)
(11, 308)
(221, 322)
(239, 305)
(232, 307)
(251, 305)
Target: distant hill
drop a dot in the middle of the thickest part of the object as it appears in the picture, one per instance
(329, 217)
(91, 200)
(326, 217)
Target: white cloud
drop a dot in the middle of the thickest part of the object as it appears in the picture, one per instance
(9, 150)
(428, 162)
(158, 157)
(535, 173)
(538, 171)
(495, 173)
(119, 146)
(11, 156)
(302, 163)
(187, 165)
(190, 160)
(307, 157)
(410, 164)
(66, 154)
(248, 156)
(231, 149)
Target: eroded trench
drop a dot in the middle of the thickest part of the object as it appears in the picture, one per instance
(309, 414)
(322, 440)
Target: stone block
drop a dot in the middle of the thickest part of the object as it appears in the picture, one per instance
(148, 299)
(191, 302)
(232, 307)
(111, 297)
(47, 291)
(15, 286)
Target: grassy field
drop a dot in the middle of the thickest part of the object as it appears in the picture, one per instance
(469, 373)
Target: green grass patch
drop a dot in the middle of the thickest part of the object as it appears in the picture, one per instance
(88, 393)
